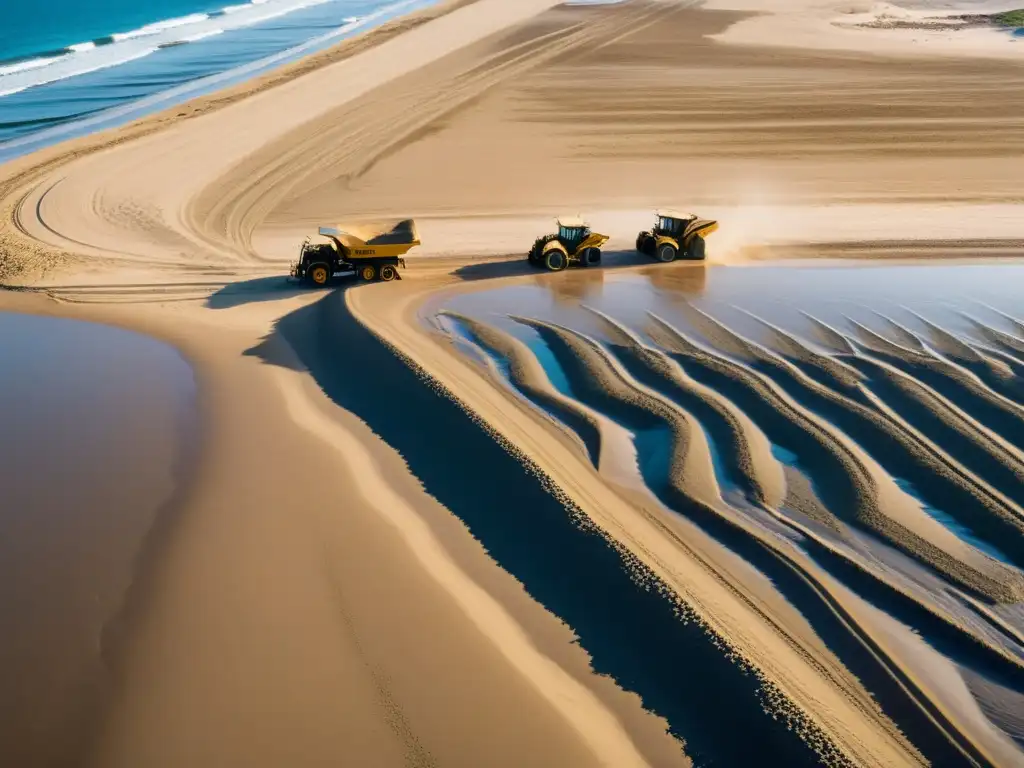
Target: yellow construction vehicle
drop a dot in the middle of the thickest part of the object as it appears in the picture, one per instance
(574, 243)
(676, 235)
(371, 251)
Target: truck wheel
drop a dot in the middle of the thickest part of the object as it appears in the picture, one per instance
(555, 260)
(698, 248)
(591, 257)
(641, 242)
(667, 253)
(318, 274)
(388, 272)
(368, 272)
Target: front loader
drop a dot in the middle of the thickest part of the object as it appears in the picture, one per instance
(573, 244)
(676, 235)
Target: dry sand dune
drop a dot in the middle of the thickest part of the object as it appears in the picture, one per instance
(585, 545)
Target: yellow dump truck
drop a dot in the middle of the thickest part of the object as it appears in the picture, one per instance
(373, 251)
(676, 235)
(573, 243)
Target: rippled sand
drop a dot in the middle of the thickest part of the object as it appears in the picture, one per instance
(871, 444)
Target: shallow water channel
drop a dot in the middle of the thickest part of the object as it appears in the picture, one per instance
(917, 368)
(909, 306)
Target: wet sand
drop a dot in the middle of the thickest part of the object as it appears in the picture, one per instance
(554, 535)
(100, 439)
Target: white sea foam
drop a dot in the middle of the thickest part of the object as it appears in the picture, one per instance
(28, 65)
(68, 69)
(281, 11)
(202, 35)
(134, 44)
(160, 26)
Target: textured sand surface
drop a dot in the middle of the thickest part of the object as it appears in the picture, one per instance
(393, 554)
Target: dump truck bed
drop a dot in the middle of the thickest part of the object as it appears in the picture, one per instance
(374, 240)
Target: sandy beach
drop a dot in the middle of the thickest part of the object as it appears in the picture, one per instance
(615, 516)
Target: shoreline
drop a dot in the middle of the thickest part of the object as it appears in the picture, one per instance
(532, 634)
(267, 76)
(486, 586)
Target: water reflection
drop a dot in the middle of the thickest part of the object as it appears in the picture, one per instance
(582, 285)
(678, 281)
(955, 298)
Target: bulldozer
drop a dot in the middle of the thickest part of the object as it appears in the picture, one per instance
(676, 234)
(371, 251)
(574, 243)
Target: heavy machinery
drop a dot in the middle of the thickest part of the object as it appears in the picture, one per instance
(574, 243)
(372, 251)
(676, 235)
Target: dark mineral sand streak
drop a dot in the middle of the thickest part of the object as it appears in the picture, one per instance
(99, 434)
(632, 633)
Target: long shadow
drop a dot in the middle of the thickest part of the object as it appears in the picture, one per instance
(632, 632)
(273, 288)
(488, 270)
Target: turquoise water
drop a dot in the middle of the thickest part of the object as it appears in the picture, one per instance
(546, 357)
(32, 29)
(68, 67)
(784, 455)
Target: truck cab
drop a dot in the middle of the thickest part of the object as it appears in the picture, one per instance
(572, 232)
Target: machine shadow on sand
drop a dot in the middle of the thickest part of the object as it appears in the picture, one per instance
(520, 267)
(273, 288)
(632, 632)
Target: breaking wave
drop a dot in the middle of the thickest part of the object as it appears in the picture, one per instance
(118, 48)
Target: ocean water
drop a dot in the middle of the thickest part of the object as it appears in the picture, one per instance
(68, 67)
